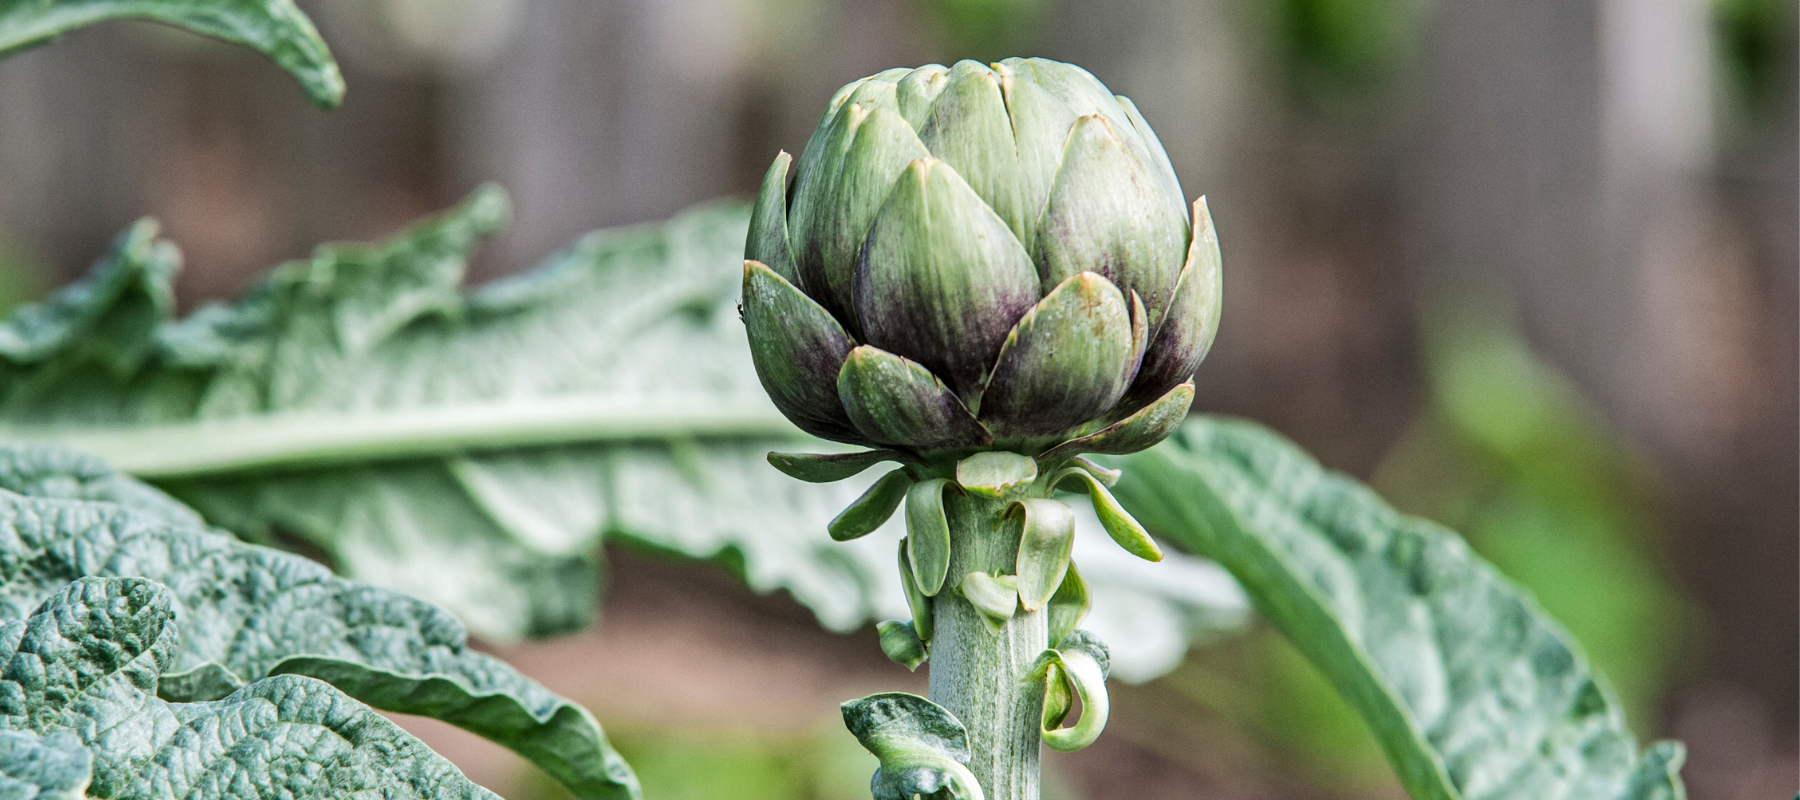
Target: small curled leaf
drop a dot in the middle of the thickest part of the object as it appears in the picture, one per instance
(1046, 538)
(1119, 523)
(995, 472)
(995, 597)
(1077, 665)
(901, 643)
(928, 534)
(1069, 606)
(923, 748)
(872, 509)
(915, 599)
(828, 467)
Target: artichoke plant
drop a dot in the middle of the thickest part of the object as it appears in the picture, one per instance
(980, 257)
(982, 272)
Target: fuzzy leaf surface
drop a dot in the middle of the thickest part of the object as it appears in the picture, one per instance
(474, 447)
(83, 668)
(249, 612)
(1472, 691)
(33, 767)
(275, 28)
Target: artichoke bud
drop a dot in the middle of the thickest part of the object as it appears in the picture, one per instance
(980, 257)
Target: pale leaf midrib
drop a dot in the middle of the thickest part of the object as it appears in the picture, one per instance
(323, 438)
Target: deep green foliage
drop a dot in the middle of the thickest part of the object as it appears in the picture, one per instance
(84, 666)
(1470, 689)
(1510, 454)
(474, 449)
(244, 614)
(54, 767)
(275, 28)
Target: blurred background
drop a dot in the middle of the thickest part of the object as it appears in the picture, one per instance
(1528, 267)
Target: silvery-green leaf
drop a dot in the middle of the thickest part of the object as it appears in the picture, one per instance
(478, 446)
(872, 509)
(928, 534)
(466, 448)
(106, 322)
(275, 28)
(901, 643)
(969, 129)
(1046, 538)
(1102, 217)
(1065, 363)
(33, 767)
(1469, 688)
(60, 474)
(829, 467)
(1182, 337)
(893, 400)
(768, 238)
(84, 664)
(248, 612)
(922, 747)
(1145, 427)
(995, 473)
(942, 280)
(798, 350)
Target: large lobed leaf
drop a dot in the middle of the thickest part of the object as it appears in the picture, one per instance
(1471, 690)
(33, 767)
(474, 449)
(248, 613)
(275, 28)
(82, 670)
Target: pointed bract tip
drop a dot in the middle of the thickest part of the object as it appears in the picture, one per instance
(1203, 222)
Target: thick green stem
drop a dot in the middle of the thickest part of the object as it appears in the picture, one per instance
(980, 675)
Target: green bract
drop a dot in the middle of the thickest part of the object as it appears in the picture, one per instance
(979, 257)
